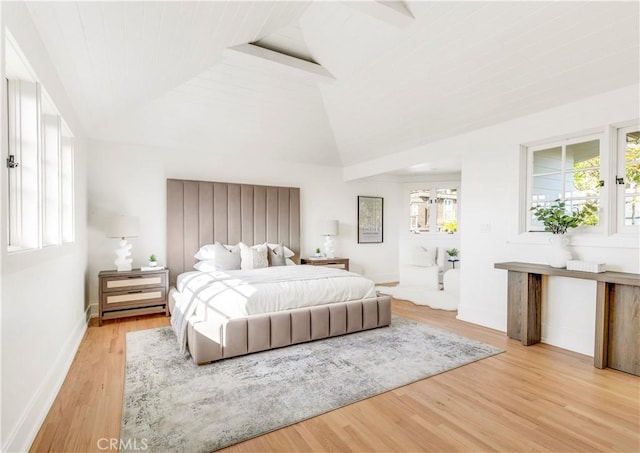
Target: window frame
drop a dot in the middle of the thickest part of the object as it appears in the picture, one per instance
(18, 209)
(39, 235)
(432, 188)
(563, 143)
(619, 170)
(610, 229)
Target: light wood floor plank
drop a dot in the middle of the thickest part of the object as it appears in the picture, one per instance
(537, 398)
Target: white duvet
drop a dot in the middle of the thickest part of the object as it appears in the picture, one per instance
(240, 293)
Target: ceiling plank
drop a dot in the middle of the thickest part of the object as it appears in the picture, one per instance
(392, 12)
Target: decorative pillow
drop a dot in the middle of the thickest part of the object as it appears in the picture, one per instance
(253, 257)
(288, 253)
(227, 257)
(290, 262)
(208, 251)
(276, 256)
(423, 256)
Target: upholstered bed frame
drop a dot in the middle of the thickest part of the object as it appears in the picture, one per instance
(201, 213)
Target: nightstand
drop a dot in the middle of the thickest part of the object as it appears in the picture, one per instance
(132, 293)
(338, 263)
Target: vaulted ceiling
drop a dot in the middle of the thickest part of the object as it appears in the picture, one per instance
(400, 74)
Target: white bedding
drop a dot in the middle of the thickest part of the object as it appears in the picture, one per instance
(240, 293)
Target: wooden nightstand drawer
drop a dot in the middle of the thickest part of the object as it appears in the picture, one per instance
(338, 263)
(133, 280)
(132, 293)
(123, 299)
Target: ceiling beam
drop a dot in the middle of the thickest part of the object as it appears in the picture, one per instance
(392, 12)
(259, 55)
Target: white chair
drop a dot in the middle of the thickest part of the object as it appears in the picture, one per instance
(451, 282)
(426, 268)
(420, 284)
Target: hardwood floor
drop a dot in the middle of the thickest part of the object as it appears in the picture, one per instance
(537, 398)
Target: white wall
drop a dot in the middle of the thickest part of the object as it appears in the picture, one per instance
(489, 230)
(131, 179)
(43, 292)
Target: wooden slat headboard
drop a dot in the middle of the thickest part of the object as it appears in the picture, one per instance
(201, 213)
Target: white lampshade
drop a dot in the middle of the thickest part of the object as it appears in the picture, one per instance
(123, 226)
(330, 228)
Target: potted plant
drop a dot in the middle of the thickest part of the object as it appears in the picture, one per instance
(557, 219)
(453, 256)
(318, 254)
(153, 261)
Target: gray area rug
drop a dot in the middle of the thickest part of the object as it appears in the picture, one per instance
(171, 404)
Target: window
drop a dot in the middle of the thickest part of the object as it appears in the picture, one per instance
(23, 178)
(39, 163)
(569, 171)
(433, 209)
(628, 177)
(588, 170)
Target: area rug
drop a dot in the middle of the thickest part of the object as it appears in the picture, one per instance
(171, 404)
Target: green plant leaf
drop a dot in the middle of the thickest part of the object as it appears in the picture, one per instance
(557, 219)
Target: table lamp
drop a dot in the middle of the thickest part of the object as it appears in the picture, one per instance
(123, 227)
(329, 229)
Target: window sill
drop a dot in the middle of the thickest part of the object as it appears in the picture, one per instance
(428, 235)
(599, 240)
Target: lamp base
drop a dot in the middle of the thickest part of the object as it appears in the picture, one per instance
(125, 267)
(123, 254)
(328, 247)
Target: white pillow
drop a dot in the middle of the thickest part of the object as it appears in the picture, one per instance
(208, 251)
(290, 262)
(225, 258)
(276, 256)
(253, 257)
(288, 253)
(424, 256)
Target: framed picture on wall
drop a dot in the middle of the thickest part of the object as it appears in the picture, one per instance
(370, 216)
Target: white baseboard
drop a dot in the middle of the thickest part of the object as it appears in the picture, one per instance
(564, 337)
(32, 418)
(482, 317)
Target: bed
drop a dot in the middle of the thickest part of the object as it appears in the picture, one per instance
(214, 326)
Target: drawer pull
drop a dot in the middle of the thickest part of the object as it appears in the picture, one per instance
(135, 276)
(134, 292)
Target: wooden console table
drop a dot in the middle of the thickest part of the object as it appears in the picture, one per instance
(617, 343)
